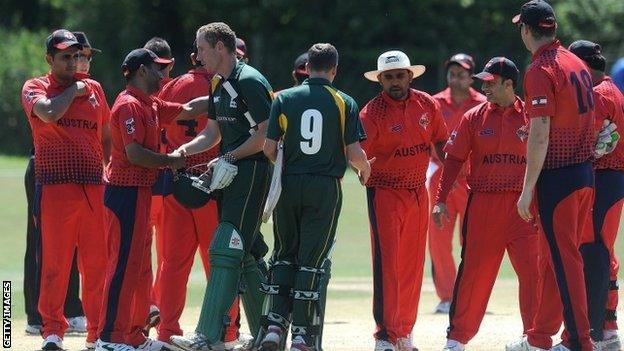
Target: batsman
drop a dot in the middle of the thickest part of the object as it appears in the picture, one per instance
(320, 130)
(238, 108)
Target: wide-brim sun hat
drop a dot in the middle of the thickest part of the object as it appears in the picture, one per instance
(391, 60)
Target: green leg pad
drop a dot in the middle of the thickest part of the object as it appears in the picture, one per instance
(226, 256)
(307, 310)
(252, 297)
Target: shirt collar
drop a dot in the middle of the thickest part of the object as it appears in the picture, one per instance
(136, 92)
(55, 84)
(237, 69)
(552, 45)
(606, 78)
(316, 81)
(517, 106)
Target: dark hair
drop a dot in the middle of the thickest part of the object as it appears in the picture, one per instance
(301, 77)
(218, 32)
(159, 46)
(596, 62)
(542, 32)
(322, 57)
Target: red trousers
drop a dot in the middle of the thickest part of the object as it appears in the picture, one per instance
(156, 222)
(609, 232)
(124, 307)
(398, 222)
(70, 216)
(564, 202)
(443, 267)
(184, 231)
(492, 226)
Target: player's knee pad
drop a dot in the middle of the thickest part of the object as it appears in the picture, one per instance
(227, 247)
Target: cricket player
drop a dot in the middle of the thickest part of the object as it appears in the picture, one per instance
(401, 125)
(455, 100)
(239, 106)
(492, 137)
(609, 197)
(559, 178)
(321, 130)
(300, 69)
(86, 54)
(241, 50)
(66, 113)
(135, 126)
(184, 230)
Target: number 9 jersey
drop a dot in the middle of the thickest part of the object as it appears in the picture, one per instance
(317, 122)
(558, 85)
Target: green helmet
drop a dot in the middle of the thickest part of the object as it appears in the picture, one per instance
(191, 191)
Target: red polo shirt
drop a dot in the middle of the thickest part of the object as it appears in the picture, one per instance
(558, 85)
(399, 135)
(453, 113)
(493, 139)
(183, 89)
(610, 105)
(135, 118)
(70, 149)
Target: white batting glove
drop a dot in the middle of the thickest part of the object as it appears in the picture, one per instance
(607, 139)
(223, 173)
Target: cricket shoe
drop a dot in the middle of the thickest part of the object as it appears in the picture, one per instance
(52, 342)
(243, 343)
(405, 344)
(153, 319)
(272, 339)
(453, 345)
(33, 329)
(90, 345)
(560, 347)
(77, 325)
(112, 346)
(298, 344)
(444, 307)
(156, 345)
(196, 342)
(384, 345)
(611, 343)
(522, 345)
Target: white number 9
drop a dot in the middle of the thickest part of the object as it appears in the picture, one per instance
(311, 131)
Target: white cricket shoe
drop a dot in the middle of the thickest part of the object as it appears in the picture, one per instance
(444, 307)
(52, 342)
(298, 344)
(559, 347)
(244, 342)
(611, 342)
(405, 344)
(155, 345)
(522, 345)
(196, 342)
(77, 325)
(453, 345)
(33, 329)
(384, 345)
(272, 339)
(90, 345)
(112, 346)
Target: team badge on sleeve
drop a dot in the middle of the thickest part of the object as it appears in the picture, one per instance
(130, 126)
(29, 95)
(539, 101)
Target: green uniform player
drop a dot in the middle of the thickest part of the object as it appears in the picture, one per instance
(316, 124)
(238, 108)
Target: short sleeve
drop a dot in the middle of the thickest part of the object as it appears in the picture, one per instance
(354, 131)
(371, 130)
(33, 91)
(439, 132)
(131, 124)
(459, 142)
(167, 111)
(257, 96)
(277, 121)
(539, 93)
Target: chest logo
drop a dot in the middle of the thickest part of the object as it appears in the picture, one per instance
(397, 128)
(523, 133)
(452, 137)
(93, 100)
(233, 104)
(216, 98)
(424, 120)
(486, 132)
(130, 125)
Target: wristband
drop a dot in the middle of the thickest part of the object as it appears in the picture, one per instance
(229, 157)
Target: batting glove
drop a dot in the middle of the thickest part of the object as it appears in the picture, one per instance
(223, 172)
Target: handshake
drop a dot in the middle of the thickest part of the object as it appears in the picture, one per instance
(607, 139)
(219, 174)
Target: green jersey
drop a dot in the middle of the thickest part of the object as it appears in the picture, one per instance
(316, 122)
(239, 103)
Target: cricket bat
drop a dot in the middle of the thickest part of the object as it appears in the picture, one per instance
(276, 184)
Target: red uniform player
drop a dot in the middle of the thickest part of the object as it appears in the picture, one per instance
(492, 136)
(401, 124)
(559, 179)
(601, 284)
(66, 113)
(455, 100)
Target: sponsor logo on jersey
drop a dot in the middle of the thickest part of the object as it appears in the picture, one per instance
(412, 150)
(76, 123)
(233, 104)
(539, 101)
(504, 158)
(216, 98)
(130, 125)
(486, 132)
(227, 119)
(397, 128)
(424, 120)
(523, 133)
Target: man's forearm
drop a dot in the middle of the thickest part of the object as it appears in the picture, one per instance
(194, 108)
(253, 145)
(51, 110)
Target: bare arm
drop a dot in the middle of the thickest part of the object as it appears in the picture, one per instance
(252, 145)
(357, 158)
(106, 142)
(194, 108)
(140, 156)
(537, 147)
(51, 110)
(270, 149)
(206, 139)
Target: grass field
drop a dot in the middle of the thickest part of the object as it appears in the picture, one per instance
(349, 322)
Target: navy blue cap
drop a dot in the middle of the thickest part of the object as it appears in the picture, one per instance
(464, 60)
(138, 57)
(82, 39)
(499, 66)
(61, 39)
(589, 52)
(536, 13)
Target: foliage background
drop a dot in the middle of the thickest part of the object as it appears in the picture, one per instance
(277, 31)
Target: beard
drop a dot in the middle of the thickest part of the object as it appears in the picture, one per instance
(397, 93)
